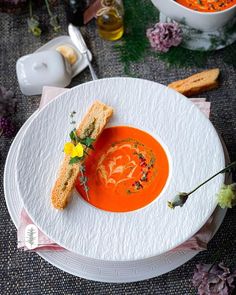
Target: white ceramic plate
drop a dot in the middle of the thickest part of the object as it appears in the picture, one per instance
(194, 150)
(81, 63)
(88, 268)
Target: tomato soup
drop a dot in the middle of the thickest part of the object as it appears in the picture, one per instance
(207, 5)
(126, 171)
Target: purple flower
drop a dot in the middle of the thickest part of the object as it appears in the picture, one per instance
(6, 127)
(164, 35)
(219, 281)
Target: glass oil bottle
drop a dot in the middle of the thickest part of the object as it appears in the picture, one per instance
(110, 20)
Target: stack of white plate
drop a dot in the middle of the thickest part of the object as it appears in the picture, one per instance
(108, 246)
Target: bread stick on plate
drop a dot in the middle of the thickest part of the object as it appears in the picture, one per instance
(197, 83)
(91, 126)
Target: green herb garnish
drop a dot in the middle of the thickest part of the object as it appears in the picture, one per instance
(88, 142)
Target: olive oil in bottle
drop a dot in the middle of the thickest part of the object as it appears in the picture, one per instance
(110, 20)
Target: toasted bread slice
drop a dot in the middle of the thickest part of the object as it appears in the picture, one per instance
(92, 125)
(197, 83)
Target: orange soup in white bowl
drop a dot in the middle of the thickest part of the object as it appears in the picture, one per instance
(204, 15)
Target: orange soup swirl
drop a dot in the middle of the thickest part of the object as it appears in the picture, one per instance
(126, 170)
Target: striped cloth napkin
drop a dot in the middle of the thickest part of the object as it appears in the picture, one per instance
(28, 232)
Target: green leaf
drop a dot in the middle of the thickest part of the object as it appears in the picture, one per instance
(75, 160)
(72, 135)
(33, 26)
(88, 141)
(182, 57)
(82, 169)
(54, 22)
(72, 114)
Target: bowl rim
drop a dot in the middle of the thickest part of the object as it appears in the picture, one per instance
(203, 13)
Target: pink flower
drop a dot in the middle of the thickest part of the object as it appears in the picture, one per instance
(218, 281)
(164, 35)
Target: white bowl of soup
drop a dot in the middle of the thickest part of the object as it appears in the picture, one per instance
(204, 15)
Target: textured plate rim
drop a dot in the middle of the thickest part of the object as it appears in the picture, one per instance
(46, 255)
(175, 93)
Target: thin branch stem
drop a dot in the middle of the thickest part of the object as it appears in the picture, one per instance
(221, 171)
(84, 184)
(30, 8)
(48, 8)
(217, 256)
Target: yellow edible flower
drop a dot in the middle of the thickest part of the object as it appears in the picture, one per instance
(73, 151)
(68, 148)
(78, 151)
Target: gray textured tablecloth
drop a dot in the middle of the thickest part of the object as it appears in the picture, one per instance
(27, 273)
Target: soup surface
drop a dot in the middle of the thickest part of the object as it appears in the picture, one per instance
(126, 171)
(207, 5)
